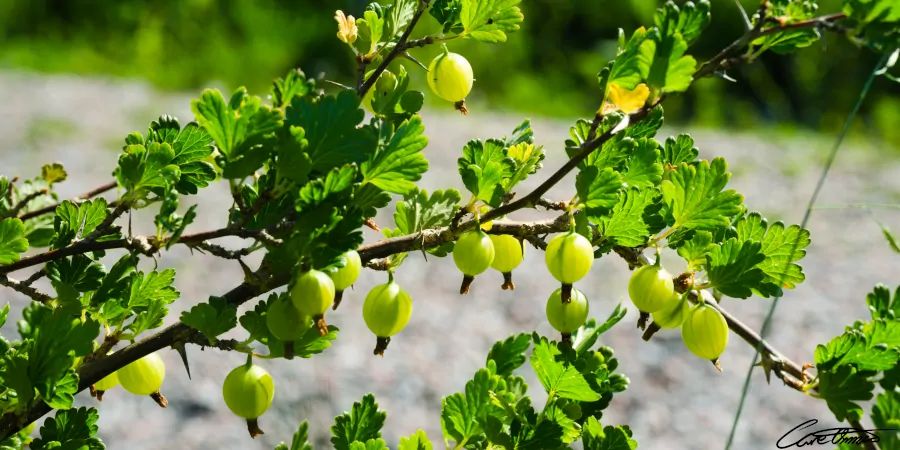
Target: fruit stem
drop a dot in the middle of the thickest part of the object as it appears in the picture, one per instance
(321, 324)
(160, 399)
(642, 320)
(507, 282)
(249, 361)
(381, 345)
(338, 296)
(253, 428)
(650, 331)
(289, 349)
(461, 107)
(466, 282)
(566, 339)
(566, 293)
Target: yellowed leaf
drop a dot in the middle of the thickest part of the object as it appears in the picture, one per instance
(627, 101)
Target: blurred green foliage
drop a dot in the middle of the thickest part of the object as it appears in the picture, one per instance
(186, 44)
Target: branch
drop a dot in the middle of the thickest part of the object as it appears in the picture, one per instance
(142, 244)
(401, 46)
(718, 61)
(784, 368)
(25, 288)
(95, 370)
(87, 195)
(21, 204)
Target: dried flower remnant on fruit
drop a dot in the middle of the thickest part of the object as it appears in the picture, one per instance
(347, 30)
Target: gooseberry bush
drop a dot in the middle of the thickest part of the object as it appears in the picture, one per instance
(308, 169)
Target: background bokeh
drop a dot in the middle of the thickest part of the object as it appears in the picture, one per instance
(76, 76)
(186, 44)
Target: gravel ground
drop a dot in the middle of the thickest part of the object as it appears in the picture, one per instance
(675, 400)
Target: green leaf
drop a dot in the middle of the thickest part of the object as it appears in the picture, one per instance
(857, 349)
(116, 283)
(63, 391)
(149, 298)
(232, 124)
(842, 389)
(331, 189)
(509, 354)
(212, 318)
(70, 429)
(398, 15)
(53, 173)
(371, 444)
(886, 416)
(300, 441)
(462, 412)
(695, 198)
(643, 169)
(679, 149)
(732, 267)
(483, 167)
(416, 441)
(143, 169)
(671, 70)
(71, 276)
(370, 29)
(889, 237)
(586, 336)
(688, 20)
(419, 211)
(490, 20)
(625, 224)
(523, 134)
(361, 423)
(597, 437)
(12, 240)
(74, 221)
(881, 305)
(330, 126)
(446, 12)
(559, 379)
(192, 146)
(398, 163)
(52, 339)
(293, 84)
(628, 69)
(781, 246)
(789, 39)
(695, 249)
(598, 189)
(527, 160)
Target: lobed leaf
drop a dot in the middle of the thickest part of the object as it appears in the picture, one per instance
(12, 240)
(362, 423)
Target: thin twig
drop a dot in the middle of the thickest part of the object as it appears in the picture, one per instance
(400, 47)
(26, 289)
(715, 63)
(87, 195)
(21, 204)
